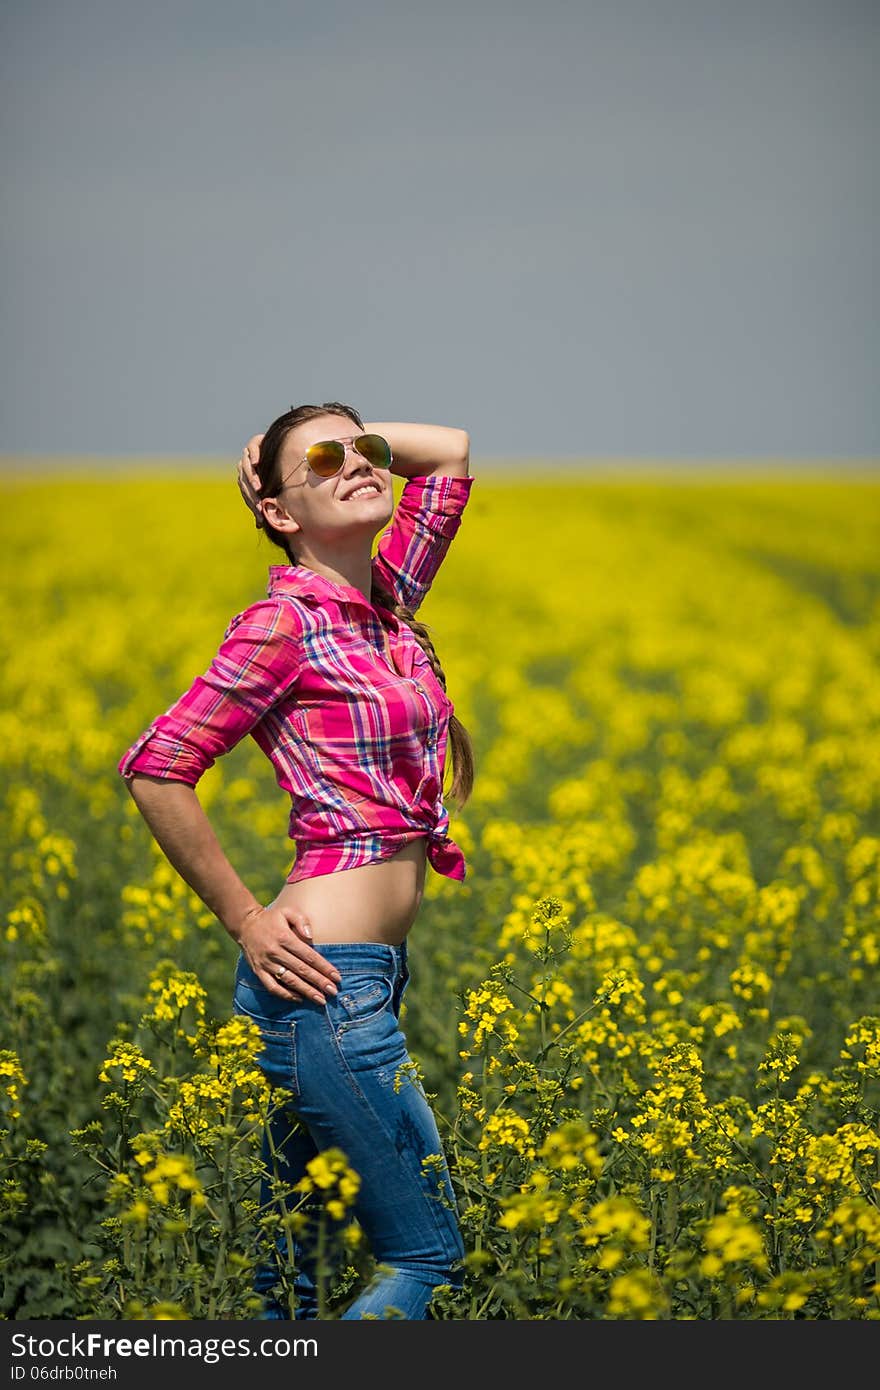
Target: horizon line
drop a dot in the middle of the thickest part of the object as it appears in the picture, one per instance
(13, 457)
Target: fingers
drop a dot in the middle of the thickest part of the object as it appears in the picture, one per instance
(274, 939)
(246, 490)
(298, 944)
(250, 457)
(308, 965)
(248, 486)
(301, 927)
(308, 976)
(293, 986)
(304, 973)
(299, 981)
(248, 480)
(248, 467)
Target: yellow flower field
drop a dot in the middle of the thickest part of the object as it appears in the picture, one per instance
(650, 1017)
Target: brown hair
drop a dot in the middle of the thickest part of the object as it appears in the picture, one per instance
(269, 473)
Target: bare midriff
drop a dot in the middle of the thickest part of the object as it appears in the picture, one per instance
(374, 902)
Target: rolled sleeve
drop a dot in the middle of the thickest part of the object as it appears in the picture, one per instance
(414, 546)
(169, 755)
(254, 667)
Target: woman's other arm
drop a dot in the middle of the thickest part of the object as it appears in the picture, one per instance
(424, 451)
(434, 461)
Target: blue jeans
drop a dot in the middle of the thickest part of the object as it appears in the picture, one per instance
(341, 1063)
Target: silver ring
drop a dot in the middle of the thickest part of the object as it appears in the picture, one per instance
(279, 974)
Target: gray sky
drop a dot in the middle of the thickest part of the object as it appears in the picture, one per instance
(627, 227)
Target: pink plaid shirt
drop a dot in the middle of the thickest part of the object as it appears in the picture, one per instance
(357, 743)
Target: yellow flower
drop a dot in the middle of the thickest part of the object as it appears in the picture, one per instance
(138, 1213)
(12, 1079)
(128, 1059)
(637, 1295)
(571, 1146)
(170, 991)
(615, 1218)
(329, 1174)
(507, 1130)
(173, 1171)
(730, 1239)
(534, 1207)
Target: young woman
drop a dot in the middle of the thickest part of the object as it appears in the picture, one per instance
(341, 688)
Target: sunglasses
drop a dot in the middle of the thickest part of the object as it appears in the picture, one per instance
(327, 457)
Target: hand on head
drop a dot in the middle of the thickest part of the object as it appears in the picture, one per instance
(248, 481)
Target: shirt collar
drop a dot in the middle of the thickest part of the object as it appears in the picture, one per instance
(307, 583)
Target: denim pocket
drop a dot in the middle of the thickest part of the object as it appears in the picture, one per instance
(362, 998)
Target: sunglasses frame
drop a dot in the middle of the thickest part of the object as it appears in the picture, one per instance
(350, 442)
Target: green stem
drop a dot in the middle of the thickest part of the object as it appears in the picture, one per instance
(322, 1277)
(484, 1169)
(670, 1216)
(562, 1032)
(653, 1247)
(223, 1242)
(543, 1014)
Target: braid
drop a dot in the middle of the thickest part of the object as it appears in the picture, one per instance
(460, 744)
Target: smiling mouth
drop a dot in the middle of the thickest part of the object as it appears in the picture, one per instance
(362, 491)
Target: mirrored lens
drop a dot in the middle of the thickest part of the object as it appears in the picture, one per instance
(326, 458)
(375, 450)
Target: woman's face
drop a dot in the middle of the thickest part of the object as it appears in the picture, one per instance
(322, 511)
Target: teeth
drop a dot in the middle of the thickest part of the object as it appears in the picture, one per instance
(367, 488)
